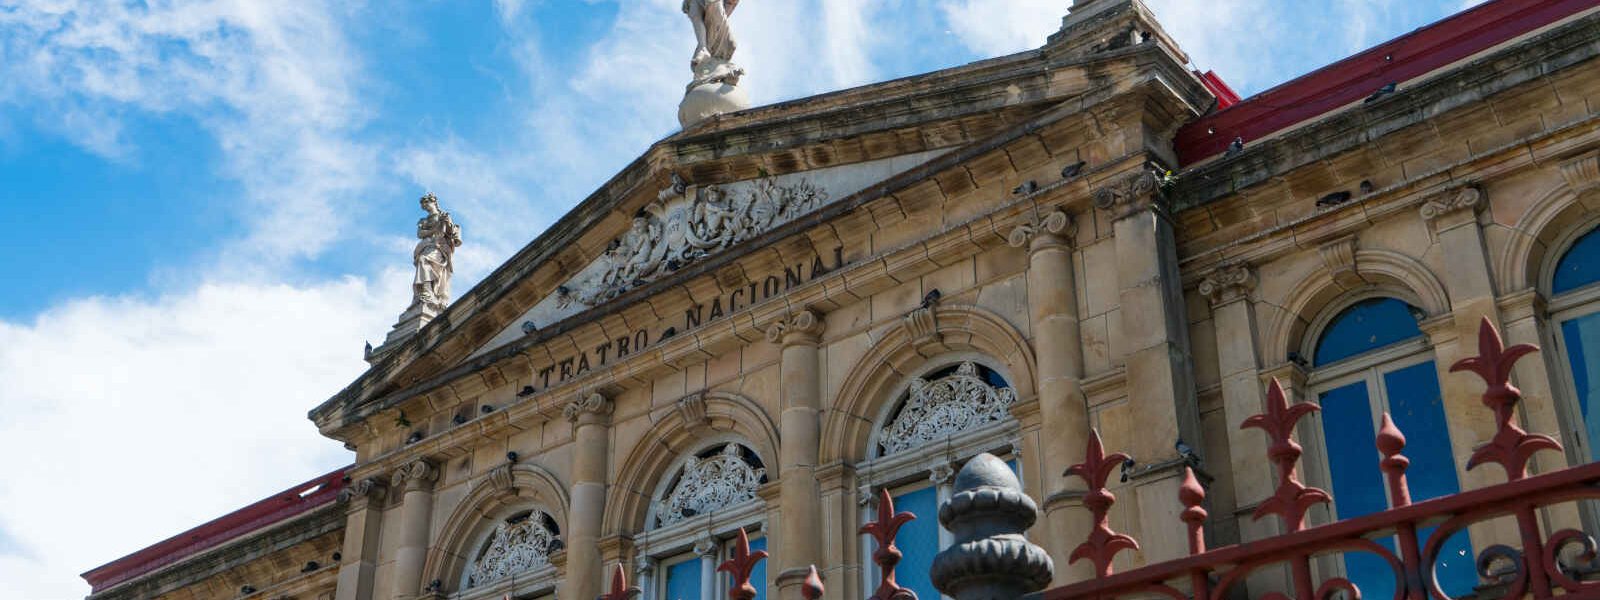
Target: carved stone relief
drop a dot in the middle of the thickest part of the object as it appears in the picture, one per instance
(952, 404)
(515, 547)
(684, 226)
(708, 484)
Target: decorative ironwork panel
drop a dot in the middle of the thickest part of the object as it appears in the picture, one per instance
(952, 404)
(515, 547)
(711, 483)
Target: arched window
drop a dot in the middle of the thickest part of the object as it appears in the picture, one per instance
(518, 544)
(694, 520)
(941, 419)
(1575, 308)
(1371, 358)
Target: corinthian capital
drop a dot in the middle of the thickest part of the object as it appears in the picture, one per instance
(1131, 194)
(594, 407)
(1468, 197)
(415, 475)
(360, 493)
(1054, 228)
(802, 327)
(1227, 283)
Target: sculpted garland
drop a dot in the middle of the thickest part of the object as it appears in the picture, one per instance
(514, 548)
(945, 406)
(677, 230)
(718, 481)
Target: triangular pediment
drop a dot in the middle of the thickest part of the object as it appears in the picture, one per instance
(643, 256)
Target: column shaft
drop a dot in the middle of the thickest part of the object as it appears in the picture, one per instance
(591, 438)
(800, 400)
(416, 511)
(363, 523)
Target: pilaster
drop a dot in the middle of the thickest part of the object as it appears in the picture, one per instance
(363, 524)
(1160, 385)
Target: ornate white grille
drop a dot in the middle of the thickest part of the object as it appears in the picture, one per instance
(945, 406)
(514, 548)
(717, 481)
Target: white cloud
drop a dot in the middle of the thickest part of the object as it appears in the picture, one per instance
(273, 82)
(145, 417)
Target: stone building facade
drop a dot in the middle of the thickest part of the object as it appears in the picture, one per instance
(768, 318)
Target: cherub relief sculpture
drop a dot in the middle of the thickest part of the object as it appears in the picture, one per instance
(683, 226)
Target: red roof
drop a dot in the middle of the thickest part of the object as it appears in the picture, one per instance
(1350, 80)
(279, 507)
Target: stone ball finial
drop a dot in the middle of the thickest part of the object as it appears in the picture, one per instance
(988, 514)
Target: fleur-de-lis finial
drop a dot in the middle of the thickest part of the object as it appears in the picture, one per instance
(1293, 498)
(739, 566)
(1511, 447)
(883, 531)
(1103, 543)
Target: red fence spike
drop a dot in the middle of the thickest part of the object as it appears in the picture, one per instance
(1103, 543)
(1293, 498)
(619, 587)
(1511, 447)
(1192, 494)
(883, 531)
(739, 566)
(811, 588)
(1393, 465)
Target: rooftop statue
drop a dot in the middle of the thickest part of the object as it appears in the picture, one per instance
(437, 239)
(714, 89)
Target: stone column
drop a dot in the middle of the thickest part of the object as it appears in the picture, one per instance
(591, 437)
(800, 401)
(1160, 385)
(416, 512)
(363, 523)
(1058, 348)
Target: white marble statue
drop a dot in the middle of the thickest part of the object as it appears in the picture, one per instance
(437, 239)
(714, 89)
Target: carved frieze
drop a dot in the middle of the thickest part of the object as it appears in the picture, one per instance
(685, 225)
(515, 547)
(711, 483)
(946, 406)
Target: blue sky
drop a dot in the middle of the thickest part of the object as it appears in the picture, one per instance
(208, 204)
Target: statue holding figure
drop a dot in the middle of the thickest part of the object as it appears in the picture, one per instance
(437, 239)
(714, 89)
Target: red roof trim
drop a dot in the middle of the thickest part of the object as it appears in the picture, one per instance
(279, 507)
(1399, 60)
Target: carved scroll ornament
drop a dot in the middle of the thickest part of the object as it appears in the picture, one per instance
(949, 405)
(514, 548)
(709, 484)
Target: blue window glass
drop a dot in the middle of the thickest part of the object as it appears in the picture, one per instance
(918, 541)
(1582, 339)
(1580, 266)
(1366, 325)
(759, 575)
(683, 581)
(1417, 408)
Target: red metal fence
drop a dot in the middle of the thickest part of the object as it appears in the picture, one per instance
(1542, 567)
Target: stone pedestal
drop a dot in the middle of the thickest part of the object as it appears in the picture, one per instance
(714, 91)
(411, 321)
